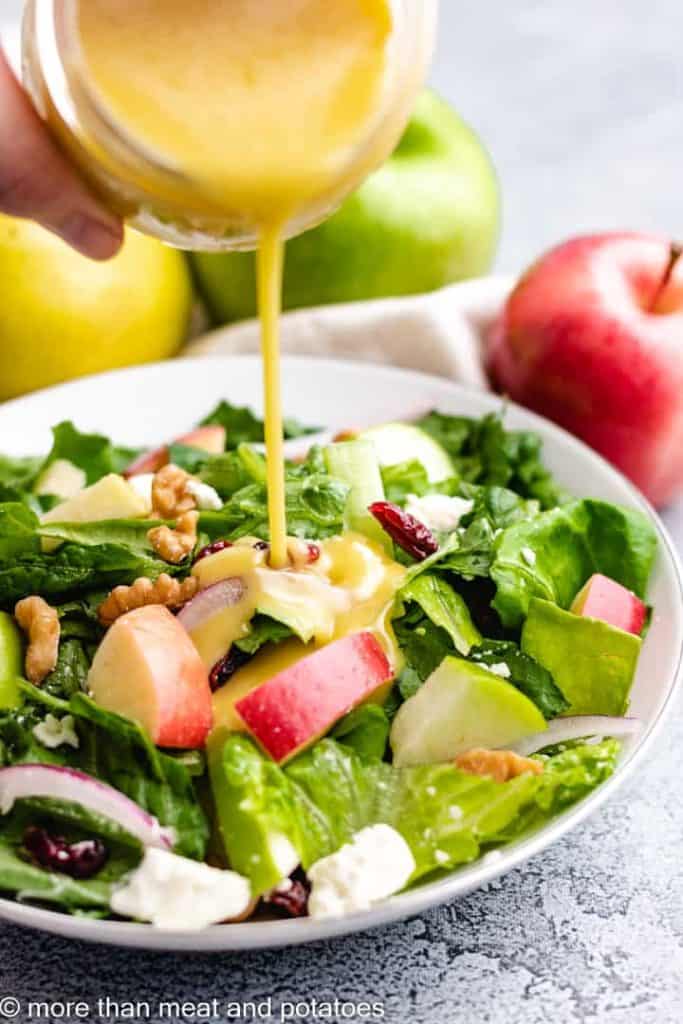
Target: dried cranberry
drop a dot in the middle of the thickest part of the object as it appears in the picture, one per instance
(313, 552)
(405, 530)
(212, 549)
(227, 666)
(79, 860)
(291, 896)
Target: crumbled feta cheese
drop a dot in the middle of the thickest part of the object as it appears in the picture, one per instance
(438, 511)
(142, 485)
(208, 499)
(174, 892)
(54, 732)
(375, 864)
(529, 556)
(441, 857)
(499, 669)
(455, 812)
(283, 854)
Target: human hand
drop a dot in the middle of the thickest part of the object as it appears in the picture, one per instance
(37, 181)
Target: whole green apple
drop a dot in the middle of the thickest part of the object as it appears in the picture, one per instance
(430, 216)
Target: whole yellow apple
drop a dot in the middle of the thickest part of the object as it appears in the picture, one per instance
(64, 316)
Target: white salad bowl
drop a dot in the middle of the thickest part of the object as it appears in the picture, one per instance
(151, 404)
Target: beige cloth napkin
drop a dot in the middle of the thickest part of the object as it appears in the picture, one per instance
(443, 333)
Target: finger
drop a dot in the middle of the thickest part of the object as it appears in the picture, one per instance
(37, 181)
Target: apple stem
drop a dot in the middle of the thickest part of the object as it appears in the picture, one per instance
(675, 253)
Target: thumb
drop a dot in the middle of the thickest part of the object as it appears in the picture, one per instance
(37, 181)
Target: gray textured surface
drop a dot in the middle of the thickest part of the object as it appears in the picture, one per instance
(582, 107)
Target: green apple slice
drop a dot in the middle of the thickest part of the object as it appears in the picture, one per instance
(402, 442)
(461, 706)
(356, 463)
(62, 479)
(110, 498)
(11, 662)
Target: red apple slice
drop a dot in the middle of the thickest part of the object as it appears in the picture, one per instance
(296, 707)
(605, 599)
(210, 439)
(148, 670)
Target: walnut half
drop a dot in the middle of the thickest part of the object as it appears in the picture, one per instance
(175, 545)
(165, 591)
(170, 496)
(40, 622)
(501, 765)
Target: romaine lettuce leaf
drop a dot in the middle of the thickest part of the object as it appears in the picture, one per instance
(71, 671)
(30, 883)
(534, 681)
(263, 630)
(131, 534)
(94, 556)
(552, 556)
(403, 479)
(241, 425)
(73, 570)
(315, 504)
(17, 476)
(592, 662)
(93, 453)
(498, 505)
(444, 607)
(485, 453)
(365, 730)
(231, 472)
(326, 795)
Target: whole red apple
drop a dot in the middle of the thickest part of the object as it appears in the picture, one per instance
(592, 338)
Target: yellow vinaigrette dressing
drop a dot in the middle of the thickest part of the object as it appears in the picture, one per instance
(262, 108)
(350, 587)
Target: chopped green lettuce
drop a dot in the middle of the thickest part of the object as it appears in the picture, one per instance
(444, 607)
(315, 504)
(498, 505)
(242, 426)
(593, 663)
(485, 453)
(94, 556)
(93, 453)
(17, 477)
(406, 478)
(263, 630)
(27, 882)
(365, 730)
(326, 795)
(553, 555)
(534, 681)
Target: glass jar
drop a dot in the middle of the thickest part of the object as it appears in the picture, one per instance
(162, 200)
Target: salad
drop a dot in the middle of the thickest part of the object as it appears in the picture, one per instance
(188, 736)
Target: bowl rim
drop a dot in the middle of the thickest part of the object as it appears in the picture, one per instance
(260, 935)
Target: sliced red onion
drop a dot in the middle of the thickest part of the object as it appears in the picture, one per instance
(209, 602)
(564, 730)
(48, 780)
